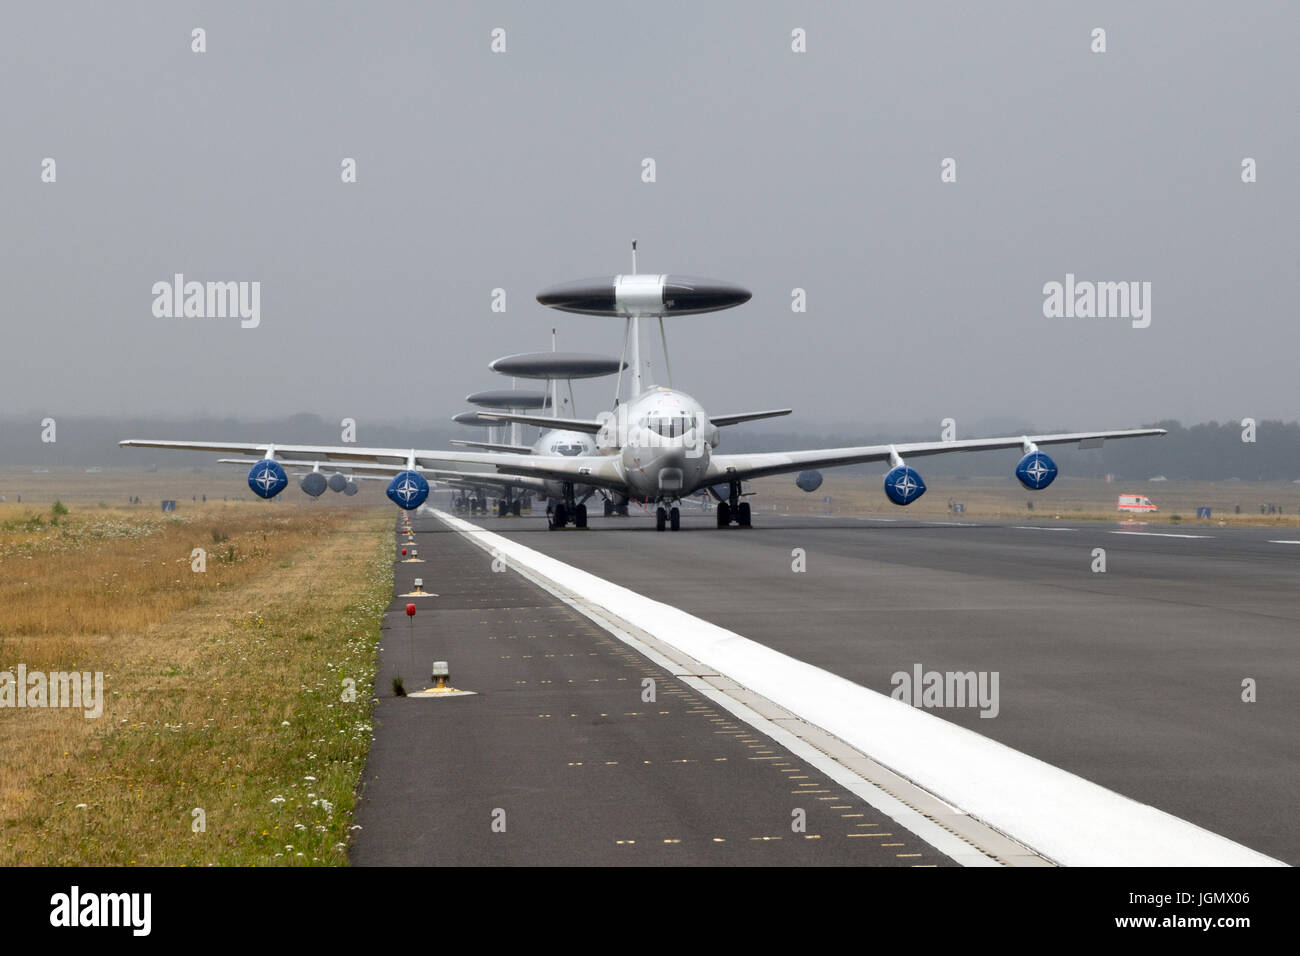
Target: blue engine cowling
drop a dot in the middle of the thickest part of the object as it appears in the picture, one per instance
(1036, 471)
(903, 485)
(337, 482)
(267, 478)
(809, 480)
(408, 490)
(313, 483)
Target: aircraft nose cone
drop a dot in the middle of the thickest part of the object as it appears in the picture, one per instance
(685, 295)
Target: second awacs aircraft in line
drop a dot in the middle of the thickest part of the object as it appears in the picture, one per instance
(659, 446)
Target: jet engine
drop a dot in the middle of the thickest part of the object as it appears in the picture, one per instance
(1036, 471)
(337, 482)
(408, 490)
(350, 488)
(267, 478)
(313, 483)
(809, 480)
(903, 485)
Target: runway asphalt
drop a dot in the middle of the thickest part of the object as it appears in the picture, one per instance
(559, 758)
(1131, 677)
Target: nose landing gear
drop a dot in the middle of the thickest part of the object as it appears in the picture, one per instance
(668, 517)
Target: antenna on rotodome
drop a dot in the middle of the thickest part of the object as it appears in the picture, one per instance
(634, 257)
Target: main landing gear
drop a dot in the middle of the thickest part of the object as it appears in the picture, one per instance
(733, 509)
(568, 511)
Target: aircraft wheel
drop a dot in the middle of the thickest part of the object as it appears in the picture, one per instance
(724, 514)
(501, 508)
(609, 507)
(661, 519)
(622, 511)
(580, 516)
(742, 514)
(561, 517)
(675, 518)
(516, 507)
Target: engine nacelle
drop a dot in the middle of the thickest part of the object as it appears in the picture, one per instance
(903, 485)
(350, 488)
(408, 490)
(313, 483)
(809, 480)
(337, 482)
(267, 478)
(1036, 471)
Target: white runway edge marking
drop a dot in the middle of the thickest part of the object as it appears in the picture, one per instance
(959, 850)
(1161, 534)
(1030, 527)
(1284, 542)
(1060, 815)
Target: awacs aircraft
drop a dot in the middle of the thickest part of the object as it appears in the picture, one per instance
(660, 446)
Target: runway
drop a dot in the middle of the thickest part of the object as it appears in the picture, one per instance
(1130, 678)
(562, 758)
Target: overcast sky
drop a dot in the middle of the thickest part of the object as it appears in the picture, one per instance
(774, 169)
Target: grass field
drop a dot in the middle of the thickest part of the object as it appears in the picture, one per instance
(1073, 499)
(224, 690)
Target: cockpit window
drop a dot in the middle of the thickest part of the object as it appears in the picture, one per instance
(566, 449)
(670, 426)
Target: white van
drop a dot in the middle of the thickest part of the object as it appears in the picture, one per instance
(1135, 503)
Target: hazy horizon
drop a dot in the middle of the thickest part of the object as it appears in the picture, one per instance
(775, 169)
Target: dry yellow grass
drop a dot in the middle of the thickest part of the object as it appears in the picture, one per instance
(1074, 499)
(223, 688)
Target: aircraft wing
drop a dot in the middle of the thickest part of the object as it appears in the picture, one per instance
(723, 420)
(490, 446)
(757, 465)
(323, 466)
(589, 425)
(378, 472)
(603, 470)
(296, 452)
